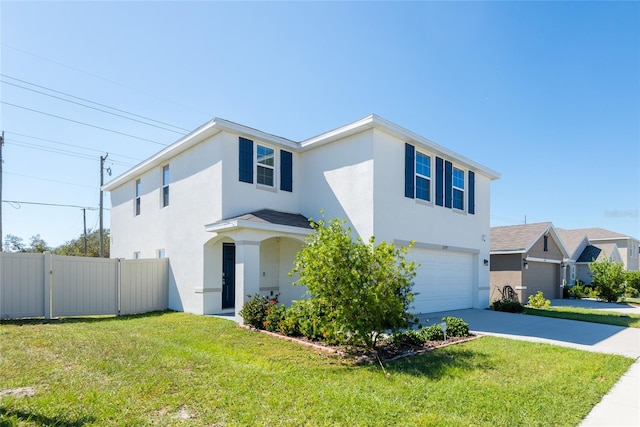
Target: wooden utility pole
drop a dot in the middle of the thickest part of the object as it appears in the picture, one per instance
(102, 159)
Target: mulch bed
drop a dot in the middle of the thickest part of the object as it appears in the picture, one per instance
(386, 353)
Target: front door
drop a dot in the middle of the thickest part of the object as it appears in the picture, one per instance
(228, 275)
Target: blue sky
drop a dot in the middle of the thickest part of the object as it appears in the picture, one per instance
(546, 93)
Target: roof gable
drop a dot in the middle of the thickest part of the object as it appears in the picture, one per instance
(521, 238)
(572, 240)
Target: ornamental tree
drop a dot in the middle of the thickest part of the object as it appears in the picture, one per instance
(363, 287)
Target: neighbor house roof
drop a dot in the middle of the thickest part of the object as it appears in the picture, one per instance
(217, 125)
(517, 238)
(571, 239)
(513, 239)
(601, 233)
(598, 252)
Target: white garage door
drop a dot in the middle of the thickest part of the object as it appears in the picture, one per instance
(444, 280)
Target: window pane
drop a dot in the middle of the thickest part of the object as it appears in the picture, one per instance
(137, 205)
(165, 175)
(265, 156)
(458, 178)
(138, 188)
(423, 165)
(265, 176)
(423, 189)
(458, 199)
(165, 196)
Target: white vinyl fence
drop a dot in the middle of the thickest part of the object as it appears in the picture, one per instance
(45, 285)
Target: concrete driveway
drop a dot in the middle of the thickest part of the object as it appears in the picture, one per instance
(567, 333)
(621, 406)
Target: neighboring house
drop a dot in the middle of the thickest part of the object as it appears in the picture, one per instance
(627, 245)
(229, 206)
(528, 258)
(588, 244)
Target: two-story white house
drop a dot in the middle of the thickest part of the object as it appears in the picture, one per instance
(229, 206)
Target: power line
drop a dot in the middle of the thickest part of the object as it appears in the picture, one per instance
(24, 144)
(98, 77)
(51, 180)
(83, 123)
(20, 202)
(72, 145)
(88, 106)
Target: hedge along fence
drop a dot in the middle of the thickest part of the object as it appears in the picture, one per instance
(45, 285)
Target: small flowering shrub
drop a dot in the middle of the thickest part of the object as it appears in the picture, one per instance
(254, 312)
(410, 337)
(539, 301)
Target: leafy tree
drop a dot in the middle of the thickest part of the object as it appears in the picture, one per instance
(364, 289)
(609, 277)
(14, 243)
(75, 247)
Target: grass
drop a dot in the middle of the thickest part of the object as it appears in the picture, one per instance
(181, 369)
(587, 315)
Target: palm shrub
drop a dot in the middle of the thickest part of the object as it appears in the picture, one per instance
(363, 289)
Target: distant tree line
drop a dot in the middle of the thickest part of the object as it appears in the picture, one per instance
(75, 247)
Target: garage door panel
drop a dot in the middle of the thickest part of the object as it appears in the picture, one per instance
(444, 280)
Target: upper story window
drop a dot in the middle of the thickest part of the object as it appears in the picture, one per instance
(262, 164)
(165, 186)
(546, 244)
(423, 177)
(458, 188)
(265, 165)
(138, 194)
(162, 253)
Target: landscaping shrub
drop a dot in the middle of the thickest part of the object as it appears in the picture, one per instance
(315, 322)
(274, 317)
(409, 337)
(507, 306)
(609, 277)
(579, 290)
(254, 311)
(632, 278)
(432, 333)
(456, 327)
(363, 288)
(539, 301)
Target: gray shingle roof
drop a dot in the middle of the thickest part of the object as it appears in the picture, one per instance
(269, 216)
(601, 233)
(571, 238)
(516, 237)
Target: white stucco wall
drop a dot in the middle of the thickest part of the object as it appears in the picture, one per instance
(177, 228)
(338, 179)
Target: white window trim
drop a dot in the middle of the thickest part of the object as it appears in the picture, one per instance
(137, 200)
(164, 185)
(454, 187)
(428, 178)
(275, 164)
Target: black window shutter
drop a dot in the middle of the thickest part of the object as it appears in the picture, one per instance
(286, 171)
(448, 183)
(246, 160)
(472, 192)
(409, 170)
(439, 183)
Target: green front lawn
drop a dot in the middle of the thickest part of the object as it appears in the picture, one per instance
(181, 369)
(587, 315)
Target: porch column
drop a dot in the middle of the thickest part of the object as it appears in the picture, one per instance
(247, 272)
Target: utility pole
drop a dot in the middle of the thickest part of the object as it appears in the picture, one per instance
(1, 145)
(84, 220)
(102, 159)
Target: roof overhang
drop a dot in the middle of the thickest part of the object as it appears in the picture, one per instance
(376, 122)
(241, 224)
